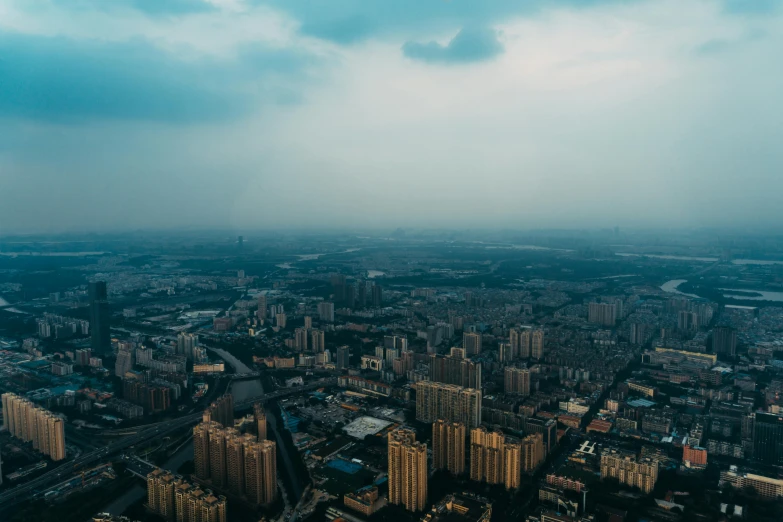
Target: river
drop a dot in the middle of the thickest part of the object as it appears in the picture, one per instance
(3, 302)
(671, 287)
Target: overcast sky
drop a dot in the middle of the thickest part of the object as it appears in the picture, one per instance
(118, 114)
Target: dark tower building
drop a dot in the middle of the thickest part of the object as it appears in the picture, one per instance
(768, 438)
(724, 341)
(99, 318)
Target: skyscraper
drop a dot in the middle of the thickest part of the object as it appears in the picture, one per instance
(317, 341)
(100, 317)
(201, 450)
(516, 380)
(218, 460)
(768, 438)
(30, 423)
(326, 312)
(486, 456)
(261, 471)
(343, 357)
(452, 403)
(472, 343)
(300, 339)
(124, 362)
(377, 295)
(537, 344)
(221, 411)
(186, 342)
(448, 446)
(724, 341)
(407, 470)
(260, 417)
(455, 370)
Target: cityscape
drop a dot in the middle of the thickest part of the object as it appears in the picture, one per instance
(420, 376)
(391, 261)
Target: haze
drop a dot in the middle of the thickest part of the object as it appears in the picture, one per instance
(237, 113)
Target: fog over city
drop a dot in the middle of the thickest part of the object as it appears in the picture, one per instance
(267, 114)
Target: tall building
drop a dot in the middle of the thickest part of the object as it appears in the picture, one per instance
(486, 456)
(326, 312)
(537, 344)
(260, 417)
(448, 402)
(218, 459)
(261, 471)
(407, 470)
(262, 307)
(604, 314)
(452, 369)
(448, 446)
(547, 428)
(221, 411)
(519, 339)
(30, 423)
(124, 362)
(300, 339)
(308, 322)
(174, 499)
(724, 341)
(186, 342)
(532, 452)
(505, 353)
(512, 464)
(377, 295)
(472, 343)
(100, 317)
(317, 341)
(201, 450)
(281, 320)
(768, 438)
(516, 380)
(629, 470)
(343, 357)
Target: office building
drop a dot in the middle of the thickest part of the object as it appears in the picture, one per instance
(259, 415)
(451, 369)
(27, 422)
(343, 357)
(516, 381)
(407, 468)
(767, 488)
(768, 438)
(448, 402)
(100, 317)
(221, 411)
(537, 344)
(448, 446)
(724, 341)
(472, 343)
(326, 312)
(317, 341)
(604, 314)
(629, 470)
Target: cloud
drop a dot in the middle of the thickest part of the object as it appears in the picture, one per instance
(469, 45)
(150, 7)
(752, 6)
(65, 80)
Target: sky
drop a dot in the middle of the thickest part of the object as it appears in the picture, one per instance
(269, 114)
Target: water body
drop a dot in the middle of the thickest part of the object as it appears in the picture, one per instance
(241, 390)
(673, 258)
(235, 363)
(52, 254)
(3, 302)
(671, 287)
(765, 296)
(375, 273)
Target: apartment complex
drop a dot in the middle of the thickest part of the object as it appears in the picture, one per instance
(407, 470)
(629, 470)
(453, 369)
(221, 411)
(766, 487)
(516, 380)
(175, 499)
(448, 402)
(448, 446)
(26, 421)
(495, 459)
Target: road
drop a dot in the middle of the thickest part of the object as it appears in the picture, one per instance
(24, 491)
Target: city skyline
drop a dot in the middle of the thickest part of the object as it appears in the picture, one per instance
(216, 114)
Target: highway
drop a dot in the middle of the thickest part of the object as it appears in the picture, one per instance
(23, 491)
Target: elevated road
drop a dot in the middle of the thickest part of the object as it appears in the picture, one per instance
(30, 489)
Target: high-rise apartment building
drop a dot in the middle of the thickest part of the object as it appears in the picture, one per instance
(516, 381)
(218, 459)
(25, 421)
(629, 470)
(407, 470)
(261, 471)
(124, 362)
(259, 415)
(262, 307)
(505, 353)
(343, 357)
(512, 464)
(449, 402)
(486, 456)
(451, 369)
(448, 446)
(173, 498)
(520, 341)
(472, 343)
(317, 341)
(724, 341)
(532, 452)
(537, 344)
(281, 320)
(221, 411)
(300, 339)
(547, 428)
(326, 312)
(186, 342)
(308, 322)
(604, 314)
(100, 317)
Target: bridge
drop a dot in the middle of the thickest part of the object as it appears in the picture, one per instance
(23, 491)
